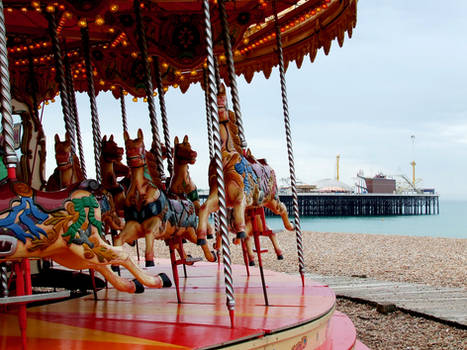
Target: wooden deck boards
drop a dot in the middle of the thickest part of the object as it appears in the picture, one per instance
(445, 304)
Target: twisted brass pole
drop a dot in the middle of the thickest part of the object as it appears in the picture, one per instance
(123, 108)
(229, 291)
(5, 102)
(208, 113)
(96, 130)
(231, 69)
(148, 87)
(4, 280)
(74, 113)
(293, 181)
(60, 78)
(165, 123)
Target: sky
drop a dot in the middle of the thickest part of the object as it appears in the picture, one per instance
(402, 73)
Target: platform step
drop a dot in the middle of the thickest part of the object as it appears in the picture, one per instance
(342, 334)
(360, 346)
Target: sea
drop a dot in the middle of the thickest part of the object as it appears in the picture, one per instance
(451, 222)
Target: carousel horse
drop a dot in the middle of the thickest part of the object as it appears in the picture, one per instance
(112, 168)
(181, 185)
(248, 182)
(148, 211)
(66, 227)
(68, 170)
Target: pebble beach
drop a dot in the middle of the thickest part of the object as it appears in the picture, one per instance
(428, 260)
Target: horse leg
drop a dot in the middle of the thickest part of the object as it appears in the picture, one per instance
(129, 233)
(209, 206)
(81, 260)
(239, 217)
(278, 208)
(249, 249)
(190, 234)
(275, 244)
(121, 284)
(77, 261)
(151, 227)
(149, 253)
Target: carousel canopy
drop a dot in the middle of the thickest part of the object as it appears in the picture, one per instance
(175, 33)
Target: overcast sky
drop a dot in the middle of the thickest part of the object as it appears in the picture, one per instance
(402, 73)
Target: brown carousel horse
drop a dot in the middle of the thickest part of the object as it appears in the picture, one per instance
(66, 227)
(148, 211)
(181, 185)
(112, 169)
(248, 182)
(68, 170)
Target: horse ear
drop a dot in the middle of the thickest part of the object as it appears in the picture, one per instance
(104, 139)
(185, 139)
(111, 137)
(67, 136)
(126, 137)
(140, 134)
(176, 142)
(57, 138)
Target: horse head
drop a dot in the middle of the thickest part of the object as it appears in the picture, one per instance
(222, 105)
(110, 151)
(135, 151)
(63, 154)
(183, 152)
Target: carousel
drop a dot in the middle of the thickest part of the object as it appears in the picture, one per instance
(76, 226)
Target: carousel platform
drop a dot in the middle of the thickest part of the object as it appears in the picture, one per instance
(297, 317)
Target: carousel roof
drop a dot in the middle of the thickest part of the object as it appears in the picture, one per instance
(175, 33)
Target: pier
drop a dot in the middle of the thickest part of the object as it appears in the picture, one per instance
(368, 204)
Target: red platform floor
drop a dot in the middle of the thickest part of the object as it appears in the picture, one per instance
(297, 317)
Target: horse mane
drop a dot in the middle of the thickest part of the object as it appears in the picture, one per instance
(233, 130)
(151, 164)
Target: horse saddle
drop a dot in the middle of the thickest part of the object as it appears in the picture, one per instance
(182, 213)
(149, 210)
(47, 201)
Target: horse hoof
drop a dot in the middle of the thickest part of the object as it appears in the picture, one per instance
(166, 282)
(241, 235)
(201, 241)
(115, 268)
(132, 243)
(214, 255)
(139, 287)
(149, 263)
(210, 236)
(184, 240)
(280, 257)
(252, 263)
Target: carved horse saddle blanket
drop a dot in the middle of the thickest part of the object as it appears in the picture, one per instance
(159, 206)
(182, 213)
